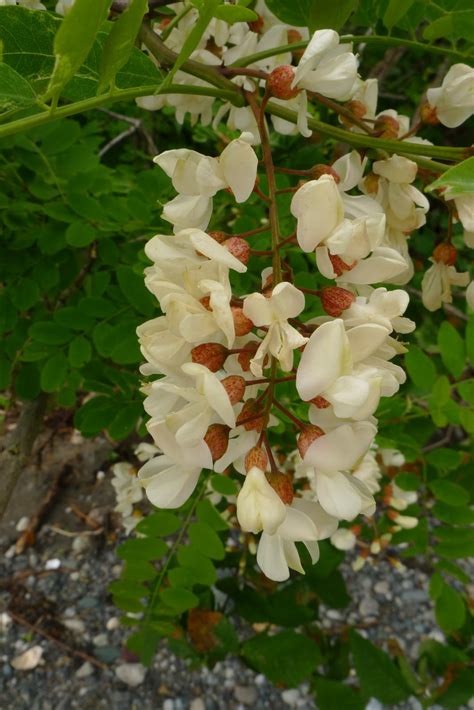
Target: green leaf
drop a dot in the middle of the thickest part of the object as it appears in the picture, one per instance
(445, 459)
(205, 539)
(454, 515)
(15, 91)
(223, 485)
(315, 14)
(456, 25)
(128, 588)
(159, 524)
(458, 180)
(454, 570)
(142, 548)
(200, 567)
(73, 41)
(440, 397)
(53, 373)
(125, 420)
(395, 11)
(179, 599)
(50, 333)
(407, 481)
(470, 339)
(80, 234)
(27, 381)
(379, 677)
(207, 513)
(138, 570)
(436, 585)
(119, 44)
(420, 368)
(449, 492)
(459, 691)
(334, 695)
(455, 550)
(95, 415)
(286, 657)
(79, 352)
(449, 609)
(144, 643)
(134, 290)
(454, 534)
(451, 347)
(235, 13)
(24, 294)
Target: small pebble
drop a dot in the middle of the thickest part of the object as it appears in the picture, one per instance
(112, 624)
(291, 697)
(75, 625)
(197, 704)
(85, 670)
(369, 607)
(100, 640)
(22, 524)
(28, 660)
(132, 674)
(245, 694)
(53, 563)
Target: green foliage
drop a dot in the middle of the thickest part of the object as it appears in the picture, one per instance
(378, 675)
(458, 179)
(286, 657)
(313, 13)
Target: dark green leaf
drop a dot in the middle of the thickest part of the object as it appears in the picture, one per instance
(456, 25)
(395, 11)
(15, 91)
(79, 352)
(286, 657)
(451, 347)
(420, 368)
(134, 290)
(144, 643)
(206, 540)
(455, 515)
(142, 548)
(314, 14)
(80, 234)
(444, 459)
(378, 675)
(199, 566)
(449, 492)
(334, 695)
(54, 373)
(125, 420)
(207, 513)
(24, 294)
(224, 485)
(159, 524)
(138, 571)
(450, 609)
(50, 333)
(179, 599)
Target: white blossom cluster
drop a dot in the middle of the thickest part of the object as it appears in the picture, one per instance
(329, 68)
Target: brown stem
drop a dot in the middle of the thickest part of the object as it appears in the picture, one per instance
(244, 71)
(282, 190)
(284, 410)
(271, 458)
(265, 380)
(311, 291)
(261, 194)
(412, 131)
(341, 110)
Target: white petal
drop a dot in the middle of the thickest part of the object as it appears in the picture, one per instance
(239, 162)
(271, 558)
(341, 448)
(326, 357)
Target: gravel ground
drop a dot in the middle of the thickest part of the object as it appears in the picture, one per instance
(385, 605)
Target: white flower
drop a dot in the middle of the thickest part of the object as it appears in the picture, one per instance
(277, 552)
(259, 507)
(127, 487)
(454, 99)
(470, 295)
(383, 263)
(319, 209)
(192, 246)
(332, 455)
(168, 483)
(368, 471)
(281, 339)
(164, 351)
(437, 282)
(382, 307)
(465, 208)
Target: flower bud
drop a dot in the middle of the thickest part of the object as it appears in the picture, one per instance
(211, 355)
(244, 357)
(404, 521)
(339, 265)
(256, 25)
(234, 385)
(445, 253)
(239, 248)
(387, 127)
(320, 402)
(334, 300)
(358, 108)
(282, 485)
(217, 439)
(429, 114)
(242, 324)
(251, 410)
(256, 457)
(321, 169)
(279, 83)
(258, 505)
(309, 434)
(218, 236)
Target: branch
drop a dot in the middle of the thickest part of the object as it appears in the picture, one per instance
(18, 446)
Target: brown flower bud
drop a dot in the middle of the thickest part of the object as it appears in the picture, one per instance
(254, 413)
(321, 169)
(281, 483)
(242, 324)
(445, 253)
(279, 83)
(339, 265)
(293, 37)
(256, 25)
(334, 300)
(206, 302)
(234, 385)
(358, 108)
(309, 434)
(211, 355)
(387, 127)
(218, 236)
(256, 457)
(239, 248)
(244, 358)
(217, 439)
(320, 402)
(429, 114)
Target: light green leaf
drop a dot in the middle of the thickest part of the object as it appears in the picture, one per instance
(15, 91)
(315, 14)
(79, 351)
(206, 540)
(235, 13)
(452, 350)
(159, 524)
(420, 368)
(179, 599)
(456, 25)
(395, 11)
(223, 485)
(449, 492)
(470, 339)
(199, 566)
(142, 548)
(119, 44)
(458, 180)
(73, 41)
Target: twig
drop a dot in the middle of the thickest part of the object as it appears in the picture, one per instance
(448, 308)
(27, 538)
(83, 516)
(72, 533)
(118, 139)
(65, 647)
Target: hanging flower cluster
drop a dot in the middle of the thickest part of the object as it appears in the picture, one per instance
(220, 354)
